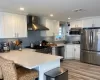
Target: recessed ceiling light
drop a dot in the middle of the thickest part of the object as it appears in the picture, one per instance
(69, 18)
(51, 15)
(21, 8)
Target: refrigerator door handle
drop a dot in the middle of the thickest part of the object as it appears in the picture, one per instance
(92, 39)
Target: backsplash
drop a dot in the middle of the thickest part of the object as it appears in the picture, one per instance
(49, 38)
(72, 38)
(33, 36)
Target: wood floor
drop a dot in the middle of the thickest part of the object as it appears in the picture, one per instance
(81, 71)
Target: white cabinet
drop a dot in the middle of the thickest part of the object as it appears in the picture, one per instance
(83, 23)
(21, 26)
(77, 52)
(8, 25)
(69, 51)
(1, 25)
(88, 22)
(72, 51)
(97, 22)
(56, 27)
(12, 25)
(76, 24)
(53, 51)
(53, 26)
(72, 24)
(91, 22)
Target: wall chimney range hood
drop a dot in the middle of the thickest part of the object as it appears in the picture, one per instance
(33, 23)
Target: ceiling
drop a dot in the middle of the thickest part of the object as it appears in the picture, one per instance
(62, 9)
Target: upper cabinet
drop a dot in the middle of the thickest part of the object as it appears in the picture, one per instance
(76, 24)
(53, 26)
(21, 26)
(56, 25)
(88, 22)
(12, 25)
(1, 25)
(97, 22)
(8, 25)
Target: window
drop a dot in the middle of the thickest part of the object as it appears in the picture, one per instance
(60, 31)
(60, 35)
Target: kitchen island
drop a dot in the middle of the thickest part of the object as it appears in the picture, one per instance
(30, 59)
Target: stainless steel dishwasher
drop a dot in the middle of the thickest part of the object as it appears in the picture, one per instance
(59, 51)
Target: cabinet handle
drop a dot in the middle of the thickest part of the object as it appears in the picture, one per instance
(15, 35)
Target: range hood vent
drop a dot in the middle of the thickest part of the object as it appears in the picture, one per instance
(33, 23)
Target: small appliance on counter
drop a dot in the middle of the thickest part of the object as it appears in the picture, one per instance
(16, 45)
(4, 47)
(19, 44)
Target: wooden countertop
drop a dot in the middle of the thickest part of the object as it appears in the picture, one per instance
(29, 58)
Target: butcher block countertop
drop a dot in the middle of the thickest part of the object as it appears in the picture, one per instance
(29, 58)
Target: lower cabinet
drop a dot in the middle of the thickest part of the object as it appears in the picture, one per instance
(72, 51)
(69, 52)
(77, 52)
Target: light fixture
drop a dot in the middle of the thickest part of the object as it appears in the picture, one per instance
(69, 18)
(78, 10)
(21, 8)
(51, 15)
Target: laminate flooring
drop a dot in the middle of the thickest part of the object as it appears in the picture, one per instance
(81, 71)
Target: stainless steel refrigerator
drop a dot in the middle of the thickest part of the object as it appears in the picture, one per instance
(90, 45)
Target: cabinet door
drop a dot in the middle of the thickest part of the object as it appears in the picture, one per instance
(21, 26)
(97, 22)
(55, 27)
(88, 22)
(79, 24)
(76, 24)
(72, 24)
(77, 52)
(1, 25)
(53, 51)
(8, 25)
(69, 52)
(49, 24)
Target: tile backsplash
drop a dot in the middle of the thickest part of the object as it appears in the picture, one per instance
(72, 38)
(33, 36)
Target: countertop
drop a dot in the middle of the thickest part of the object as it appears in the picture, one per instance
(62, 44)
(29, 58)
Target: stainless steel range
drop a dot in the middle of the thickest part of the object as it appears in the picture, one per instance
(90, 45)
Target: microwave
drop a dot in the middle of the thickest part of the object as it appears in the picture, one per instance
(75, 31)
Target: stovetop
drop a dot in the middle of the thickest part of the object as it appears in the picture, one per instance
(44, 50)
